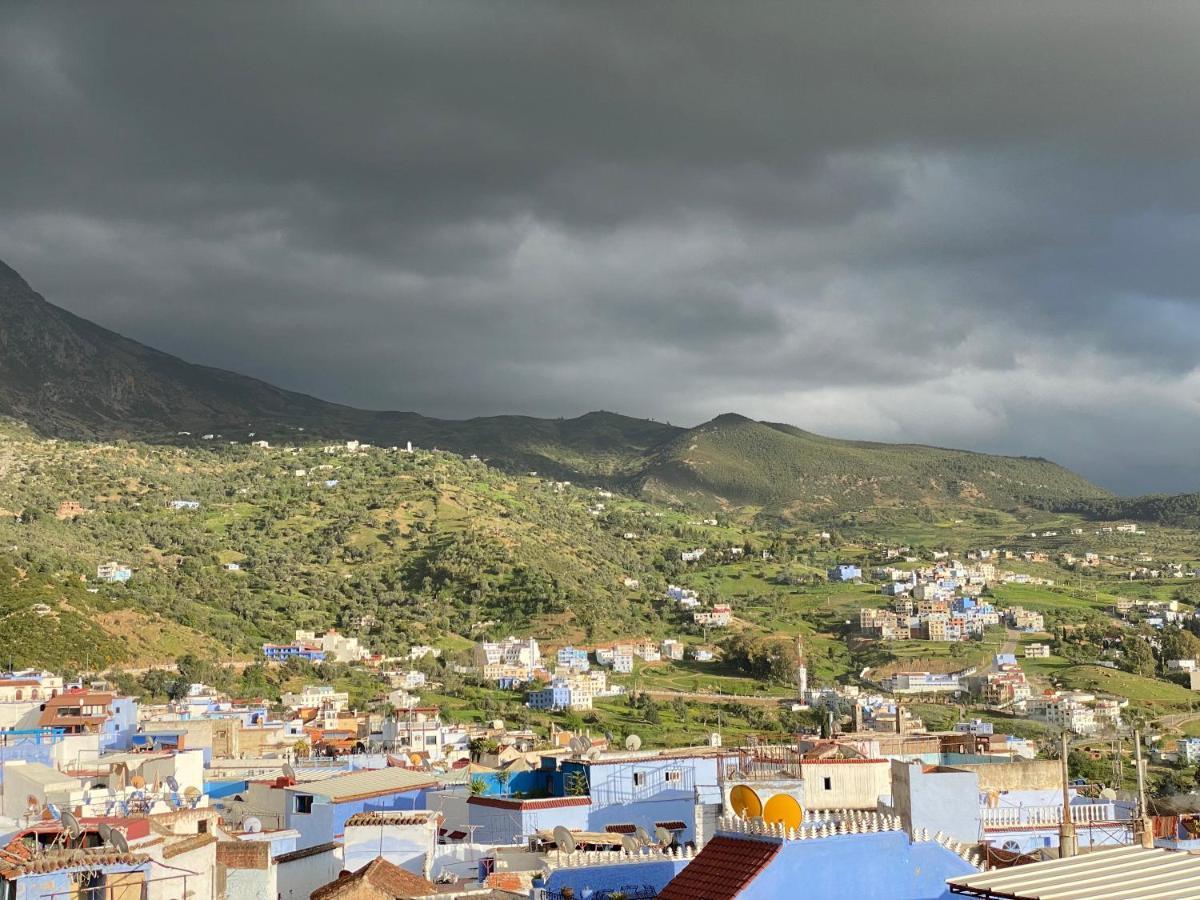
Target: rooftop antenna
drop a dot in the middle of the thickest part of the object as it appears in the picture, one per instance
(1145, 831)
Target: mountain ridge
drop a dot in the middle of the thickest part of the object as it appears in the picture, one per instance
(66, 376)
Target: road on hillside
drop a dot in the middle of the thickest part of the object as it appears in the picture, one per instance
(236, 664)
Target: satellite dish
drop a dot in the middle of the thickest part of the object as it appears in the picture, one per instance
(564, 839)
(138, 781)
(643, 836)
(70, 825)
(1108, 794)
(172, 783)
(630, 843)
(592, 754)
(119, 842)
(289, 772)
(252, 825)
(633, 742)
(532, 760)
(665, 838)
(191, 792)
(105, 831)
(579, 744)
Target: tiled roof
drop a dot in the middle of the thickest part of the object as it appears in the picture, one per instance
(391, 818)
(537, 803)
(672, 825)
(306, 852)
(724, 868)
(57, 860)
(378, 877)
(624, 828)
(188, 844)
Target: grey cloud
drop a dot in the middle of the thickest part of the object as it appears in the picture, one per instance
(961, 224)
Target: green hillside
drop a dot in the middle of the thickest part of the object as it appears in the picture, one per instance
(67, 377)
(735, 461)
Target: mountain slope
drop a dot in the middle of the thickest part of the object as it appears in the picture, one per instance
(67, 377)
(781, 468)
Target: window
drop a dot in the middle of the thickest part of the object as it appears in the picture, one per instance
(673, 776)
(828, 783)
(639, 779)
(304, 803)
(202, 826)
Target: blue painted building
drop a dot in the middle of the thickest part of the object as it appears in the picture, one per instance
(284, 652)
(556, 696)
(573, 658)
(845, 572)
(319, 809)
(875, 866)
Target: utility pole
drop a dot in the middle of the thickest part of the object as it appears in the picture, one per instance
(1067, 845)
(1143, 832)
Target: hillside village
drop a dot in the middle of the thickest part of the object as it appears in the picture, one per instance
(825, 688)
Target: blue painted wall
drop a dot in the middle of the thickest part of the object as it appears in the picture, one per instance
(610, 878)
(882, 866)
(940, 801)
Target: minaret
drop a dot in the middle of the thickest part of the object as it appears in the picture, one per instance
(801, 669)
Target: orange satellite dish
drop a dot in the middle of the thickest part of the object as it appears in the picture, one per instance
(745, 802)
(785, 810)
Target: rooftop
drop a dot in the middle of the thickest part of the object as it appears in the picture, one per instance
(1118, 873)
(369, 783)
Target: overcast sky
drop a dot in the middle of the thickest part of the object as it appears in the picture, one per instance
(969, 224)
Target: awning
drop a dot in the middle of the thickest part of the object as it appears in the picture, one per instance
(1119, 873)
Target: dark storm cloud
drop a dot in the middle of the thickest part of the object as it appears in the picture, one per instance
(971, 224)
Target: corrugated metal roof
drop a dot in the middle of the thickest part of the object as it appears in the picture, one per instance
(368, 783)
(1119, 873)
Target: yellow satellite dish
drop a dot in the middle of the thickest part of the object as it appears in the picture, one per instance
(745, 802)
(784, 809)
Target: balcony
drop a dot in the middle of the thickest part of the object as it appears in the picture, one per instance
(999, 818)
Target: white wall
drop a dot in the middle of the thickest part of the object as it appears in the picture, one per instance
(299, 878)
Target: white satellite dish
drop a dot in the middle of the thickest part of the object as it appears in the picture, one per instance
(630, 843)
(564, 839)
(105, 831)
(664, 836)
(532, 760)
(593, 753)
(643, 836)
(1108, 794)
(289, 772)
(252, 825)
(579, 744)
(633, 742)
(70, 826)
(119, 842)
